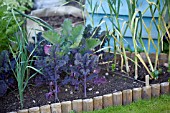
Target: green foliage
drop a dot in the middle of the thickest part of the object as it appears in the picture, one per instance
(91, 43)
(8, 27)
(113, 67)
(156, 73)
(70, 37)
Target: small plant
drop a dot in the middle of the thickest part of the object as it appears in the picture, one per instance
(52, 67)
(113, 67)
(96, 33)
(7, 81)
(85, 68)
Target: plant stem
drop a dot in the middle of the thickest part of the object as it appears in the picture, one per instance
(85, 86)
(115, 49)
(169, 60)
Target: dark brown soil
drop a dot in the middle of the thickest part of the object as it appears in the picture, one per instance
(57, 21)
(115, 81)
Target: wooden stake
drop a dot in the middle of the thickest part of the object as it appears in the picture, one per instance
(147, 80)
(137, 94)
(23, 111)
(45, 109)
(117, 98)
(88, 105)
(77, 105)
(165, 88)
(127, 96)
(155, 90)
(146, 92)
(66, 107)
(107, 100)
(34, 110)
(98, 102)
(56, 108)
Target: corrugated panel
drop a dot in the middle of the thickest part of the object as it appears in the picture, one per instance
(123, 17)
(98, 17)
(129, 42)
(141, 6)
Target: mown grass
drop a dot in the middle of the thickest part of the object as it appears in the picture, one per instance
(155, 105)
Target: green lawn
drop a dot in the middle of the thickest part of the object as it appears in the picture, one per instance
(155, 105)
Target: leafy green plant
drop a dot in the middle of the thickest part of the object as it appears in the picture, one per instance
(22, 58)
(8, 27)
(70, 38)
(113, 67)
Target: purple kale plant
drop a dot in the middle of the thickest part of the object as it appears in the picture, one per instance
(84, 69)
(7, 79)
(52, 67)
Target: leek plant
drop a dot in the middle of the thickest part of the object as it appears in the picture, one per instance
(114, 7)
(153, 7)
(167, 36)
(166, 27)
(133, 25)
(22, 58)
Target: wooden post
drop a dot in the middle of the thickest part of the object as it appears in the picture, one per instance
(143, 55)
(23, 111)
(137, 94)
(128, 54)
(132, 55)
(107, 100)
(117, 98)
(147, 80)
(34, 110)
(88, 105)
(127, 96)
(146, 92)
(155, 90)
(165, 88)
(66, 107)
(98, 102)
(77, 105)
(45, 109)
(152, 57)
(56, 108)
(163, 58)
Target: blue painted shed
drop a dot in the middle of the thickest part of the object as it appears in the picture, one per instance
(99, 13)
